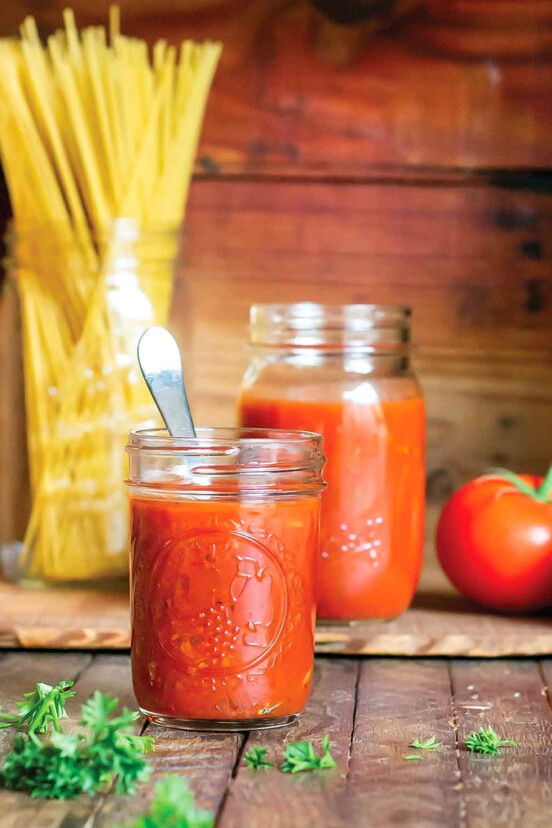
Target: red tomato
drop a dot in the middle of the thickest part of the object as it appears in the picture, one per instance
(494, 541)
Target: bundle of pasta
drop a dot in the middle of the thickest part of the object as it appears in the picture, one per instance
(98, 143)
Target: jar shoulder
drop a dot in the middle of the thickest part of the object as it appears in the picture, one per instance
(332, 382)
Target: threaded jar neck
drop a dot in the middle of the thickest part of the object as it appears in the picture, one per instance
(226, 462)
(371, 329)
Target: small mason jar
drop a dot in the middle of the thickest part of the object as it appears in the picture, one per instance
(224, 542)
(344, 371)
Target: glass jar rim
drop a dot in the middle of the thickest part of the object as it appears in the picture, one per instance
(226, 462)
(313, 310)
(221, 441)
(369, 328)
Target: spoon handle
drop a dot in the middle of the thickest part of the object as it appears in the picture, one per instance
(161, 366)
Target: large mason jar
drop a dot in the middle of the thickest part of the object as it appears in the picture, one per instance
(344, 371)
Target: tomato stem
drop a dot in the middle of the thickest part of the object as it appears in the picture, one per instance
(516, 481)
(545, 489)
(542, 493)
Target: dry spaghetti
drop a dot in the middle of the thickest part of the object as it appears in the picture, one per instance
(98, 141)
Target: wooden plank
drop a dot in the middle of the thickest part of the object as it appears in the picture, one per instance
(63, 618)
(399, 701)
(477, 422)
(206, 760)
(108, 674)
(458, 256)
(461, 257)
(450, 632)
(299, 96)
(440, 623)
(19, 672)
(515, 788)
(546, 669)
(175, 752)
(288, 801)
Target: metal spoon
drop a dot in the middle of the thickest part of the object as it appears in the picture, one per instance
(161, 366)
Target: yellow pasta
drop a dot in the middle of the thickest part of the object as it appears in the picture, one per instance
(98, 143)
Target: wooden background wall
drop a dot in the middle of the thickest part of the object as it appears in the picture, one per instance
(401, 157)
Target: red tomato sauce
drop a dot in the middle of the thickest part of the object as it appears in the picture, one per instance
(371, 540)
(223, 606)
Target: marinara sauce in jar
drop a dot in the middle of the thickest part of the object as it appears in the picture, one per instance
(224, 543)
(344, 371)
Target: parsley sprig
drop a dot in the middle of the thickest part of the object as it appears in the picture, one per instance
(300, 756)
(41, 709)
(174, 807)
(427, 744)
(256, 758)
(104, 752)
(485, 740)
(430, 743)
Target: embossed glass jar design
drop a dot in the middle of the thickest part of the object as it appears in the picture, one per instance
(344, 371)
(224, 542)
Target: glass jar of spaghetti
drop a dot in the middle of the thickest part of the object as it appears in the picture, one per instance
(224, 541)
(344, 371)
(85, 301)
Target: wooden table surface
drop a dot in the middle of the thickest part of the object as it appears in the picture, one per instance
(372, 708)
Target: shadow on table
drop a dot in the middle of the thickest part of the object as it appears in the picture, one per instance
(455, 603)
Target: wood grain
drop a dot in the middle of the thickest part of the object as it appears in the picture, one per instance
(461, 257)
(455, 255)
(397, 703)
(296, 96)
(546, 669)
(372, 711)
(205, 759)
(472, 262)
(300, 801)
(19, 672)
(515, 788)
(108, 674)
(64, 618)
(440, 623)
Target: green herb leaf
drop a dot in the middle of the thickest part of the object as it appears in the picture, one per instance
(428, 744)
(413, 756)
(41, 770)
(486, 741)
(300, 756)
(66, 743)
(41, 709)
(326, 760)
(114, 753)
(174, 807)
(255, 758)
(104, 753)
